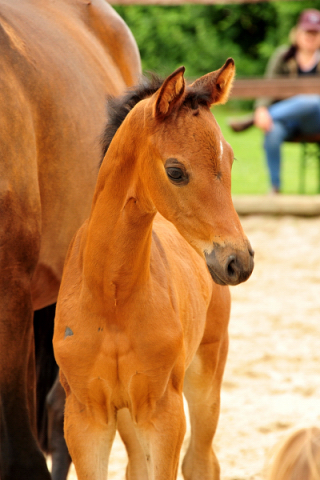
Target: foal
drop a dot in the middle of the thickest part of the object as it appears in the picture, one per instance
(139, 318)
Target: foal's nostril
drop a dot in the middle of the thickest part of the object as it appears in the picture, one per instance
(232, 267)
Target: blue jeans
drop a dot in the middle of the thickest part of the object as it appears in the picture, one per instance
(299, 114)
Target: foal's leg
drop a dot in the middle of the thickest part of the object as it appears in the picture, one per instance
(137, 463)
(202, 390)
(161, 433)
(89, 439)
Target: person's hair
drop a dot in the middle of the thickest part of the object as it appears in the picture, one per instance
(297, 457)
(292, 50)
(293, 35)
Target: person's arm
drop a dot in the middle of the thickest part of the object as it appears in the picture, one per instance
(262, 119)
(275, 68)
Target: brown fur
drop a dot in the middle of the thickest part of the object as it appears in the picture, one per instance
(59, 60)
(139, 318)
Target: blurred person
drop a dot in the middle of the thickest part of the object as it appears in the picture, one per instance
(282, 120)
(297, 457)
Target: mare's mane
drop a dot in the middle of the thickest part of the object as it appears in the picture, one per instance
(119, 107)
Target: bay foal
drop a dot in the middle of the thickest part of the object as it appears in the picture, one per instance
(138, 315)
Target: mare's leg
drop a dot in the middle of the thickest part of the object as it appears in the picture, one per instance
(89, 435)
(137, 464)
(46, 367)
(61, 459)
(20, 456)
(202, 390)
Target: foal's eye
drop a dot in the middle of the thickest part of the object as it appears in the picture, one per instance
(176, 175)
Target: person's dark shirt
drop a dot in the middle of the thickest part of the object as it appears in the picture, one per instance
(302, 73)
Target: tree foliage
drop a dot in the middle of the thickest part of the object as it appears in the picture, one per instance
(202, 37)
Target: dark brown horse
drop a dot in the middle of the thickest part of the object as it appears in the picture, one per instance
(59, 61)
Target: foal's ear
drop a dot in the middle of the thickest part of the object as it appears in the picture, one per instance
(171, 94)
(218, 83)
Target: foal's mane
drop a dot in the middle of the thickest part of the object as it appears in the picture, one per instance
(119, 107)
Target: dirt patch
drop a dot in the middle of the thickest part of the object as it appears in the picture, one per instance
(271, 384)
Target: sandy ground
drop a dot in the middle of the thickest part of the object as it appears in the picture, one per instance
(271, 383)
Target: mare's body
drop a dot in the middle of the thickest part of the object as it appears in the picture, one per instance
(139, 317)
(59, 60)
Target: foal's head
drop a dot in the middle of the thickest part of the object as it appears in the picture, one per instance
(184, 165)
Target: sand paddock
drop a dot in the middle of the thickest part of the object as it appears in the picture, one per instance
(271, 384)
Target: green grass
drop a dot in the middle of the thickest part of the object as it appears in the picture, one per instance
(249, 172)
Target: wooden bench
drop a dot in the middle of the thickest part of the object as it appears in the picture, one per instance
(281, 88)
(310, 150)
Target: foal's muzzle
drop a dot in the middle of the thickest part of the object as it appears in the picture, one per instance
(229, 266)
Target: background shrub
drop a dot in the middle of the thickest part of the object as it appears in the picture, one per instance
(201, 37)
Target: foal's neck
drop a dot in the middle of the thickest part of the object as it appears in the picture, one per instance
(117, 254)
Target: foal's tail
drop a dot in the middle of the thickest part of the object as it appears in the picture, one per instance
(46, 368)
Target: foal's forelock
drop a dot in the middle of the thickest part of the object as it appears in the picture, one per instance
(119, 107)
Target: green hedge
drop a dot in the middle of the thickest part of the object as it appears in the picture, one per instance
(202, 37)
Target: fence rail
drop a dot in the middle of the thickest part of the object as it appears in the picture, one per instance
(274, 87)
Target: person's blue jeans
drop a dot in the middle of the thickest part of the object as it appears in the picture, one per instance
(299, 114)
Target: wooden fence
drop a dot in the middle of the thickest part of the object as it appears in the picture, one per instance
(274, 87)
